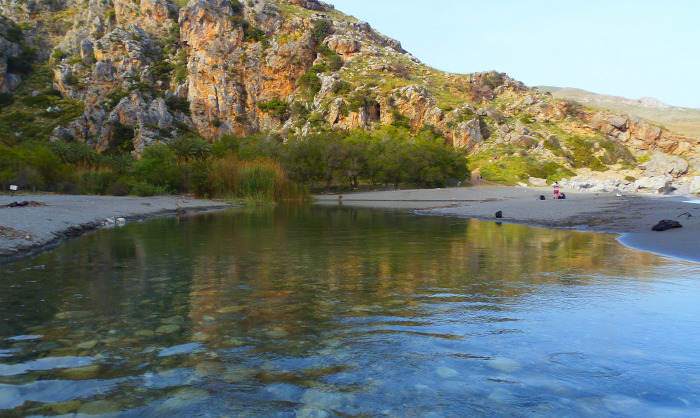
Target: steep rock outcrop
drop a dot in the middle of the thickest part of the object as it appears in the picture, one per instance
(641, 136)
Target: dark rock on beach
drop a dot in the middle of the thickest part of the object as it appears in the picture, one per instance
(666, 224)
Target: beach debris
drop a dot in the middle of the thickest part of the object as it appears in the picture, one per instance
(109, 222)
(687, 215)
(541, 197)
(665, 224)
(22, 204)
(120, 221)
(499, 214)
(10, 233)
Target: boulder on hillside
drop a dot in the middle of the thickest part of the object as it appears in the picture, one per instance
(660, 164)
(525, 141)
(611, 125)
(309, 4)
(695, 186)
(657, 184)
(537, 181)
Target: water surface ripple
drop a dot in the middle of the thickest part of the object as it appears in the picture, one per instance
(316, 311)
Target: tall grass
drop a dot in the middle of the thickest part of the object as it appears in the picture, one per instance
(262, 179)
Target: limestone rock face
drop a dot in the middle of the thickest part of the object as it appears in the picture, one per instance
(468, 135)
(344, 46)
(308, 4)
(158, 67)
(641, 136)
(415, 102)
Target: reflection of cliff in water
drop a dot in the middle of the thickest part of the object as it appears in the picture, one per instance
(278, 267)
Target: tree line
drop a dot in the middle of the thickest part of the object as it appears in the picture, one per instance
(261, 166)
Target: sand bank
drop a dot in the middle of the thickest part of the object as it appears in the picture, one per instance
(630, 216)
(53, 218)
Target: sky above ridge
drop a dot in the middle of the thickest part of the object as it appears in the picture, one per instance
(629, 48)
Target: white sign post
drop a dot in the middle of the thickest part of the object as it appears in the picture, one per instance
(14, 189)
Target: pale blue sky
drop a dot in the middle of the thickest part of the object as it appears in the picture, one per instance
(621, 47)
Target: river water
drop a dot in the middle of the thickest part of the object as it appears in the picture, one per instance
(315, 311)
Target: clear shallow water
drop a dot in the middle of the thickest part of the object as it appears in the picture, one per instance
(321, 311)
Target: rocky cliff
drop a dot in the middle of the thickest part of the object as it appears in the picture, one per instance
(151, 70)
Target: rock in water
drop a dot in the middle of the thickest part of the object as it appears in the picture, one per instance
(499, 214)
(666, 224)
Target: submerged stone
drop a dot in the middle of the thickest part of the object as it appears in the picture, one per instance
(504, 365)
(177, 320)
(180, 349)
(99, 407)
(64, 407)
(81, 373)
(88, 345)
(277, 332)
(200, 337)
(168, 329)
(10, 398)
(446, 372)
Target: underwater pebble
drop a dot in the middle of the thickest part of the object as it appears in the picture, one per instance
(231, 309)
(180, 349)
(236, 374)
(10, 398)
(168, 329)
(323, 400)
(81, 373)
(24, 337)
(200, 337)
(504, 365)
(446, 372)
(64, 407)
(88, 345)
(144, 333)
(312, 413)
(276, 332)
(182, 399)
(99, 407)
(176, 320)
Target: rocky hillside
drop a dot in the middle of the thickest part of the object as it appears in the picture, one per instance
(678, 119)
(122, 74)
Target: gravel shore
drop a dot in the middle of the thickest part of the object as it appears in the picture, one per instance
(631, 216)
(48, 219)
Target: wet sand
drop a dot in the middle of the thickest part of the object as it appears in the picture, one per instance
(631, 216)
(51, 218)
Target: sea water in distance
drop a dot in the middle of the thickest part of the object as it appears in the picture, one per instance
(321, 311)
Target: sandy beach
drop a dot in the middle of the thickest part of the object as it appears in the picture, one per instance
(48, 219)
(630, 216)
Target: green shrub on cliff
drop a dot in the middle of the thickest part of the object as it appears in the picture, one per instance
(310, 82)
(321, 29)
(276, 108)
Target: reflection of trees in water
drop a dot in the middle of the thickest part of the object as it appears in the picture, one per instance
(284, 269)
(278, 269)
